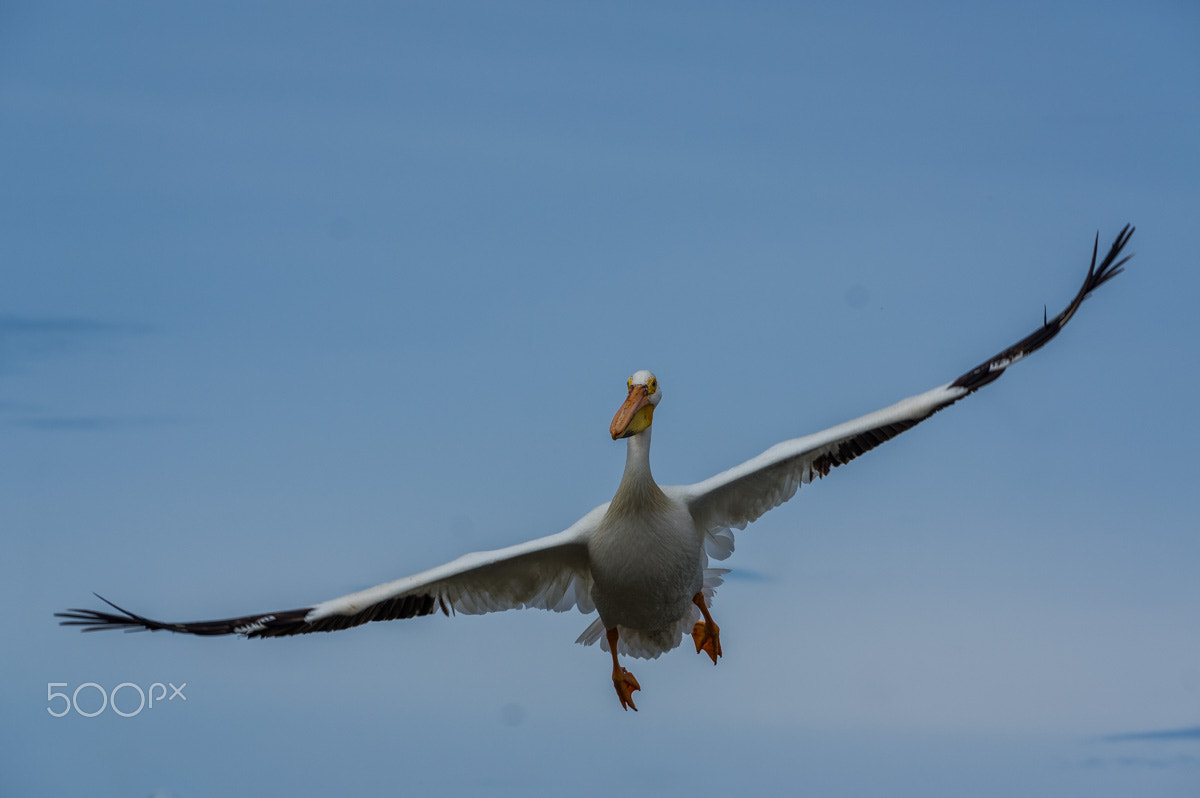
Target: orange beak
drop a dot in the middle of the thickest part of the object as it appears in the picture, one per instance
(634, 415)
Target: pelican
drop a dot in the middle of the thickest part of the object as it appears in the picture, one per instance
(640, 561)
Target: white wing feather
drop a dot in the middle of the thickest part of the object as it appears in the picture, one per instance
(548, 573)
(734, 498)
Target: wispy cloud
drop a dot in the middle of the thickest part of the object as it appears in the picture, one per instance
(1148, 750)
(24, 338)
(93, 423)
(69, 325)
(1192, 733)
(28, 342)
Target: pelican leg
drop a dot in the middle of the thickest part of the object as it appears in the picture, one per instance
(706, 633)
(623, 680)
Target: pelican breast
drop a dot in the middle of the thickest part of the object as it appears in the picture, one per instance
(646, 560)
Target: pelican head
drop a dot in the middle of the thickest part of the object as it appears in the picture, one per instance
(637, 412)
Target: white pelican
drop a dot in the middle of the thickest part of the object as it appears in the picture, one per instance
(639, 560)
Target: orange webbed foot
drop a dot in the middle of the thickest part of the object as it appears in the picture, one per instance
(625, 684)
(706, 633)
(707, 636)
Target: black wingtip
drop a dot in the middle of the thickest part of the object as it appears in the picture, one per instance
(96, 620)
(121, 610)
(1109, 267)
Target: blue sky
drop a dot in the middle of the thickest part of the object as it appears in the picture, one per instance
(304, 297)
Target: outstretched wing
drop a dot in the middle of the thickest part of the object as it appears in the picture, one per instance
(549, 573)
(738, 496)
